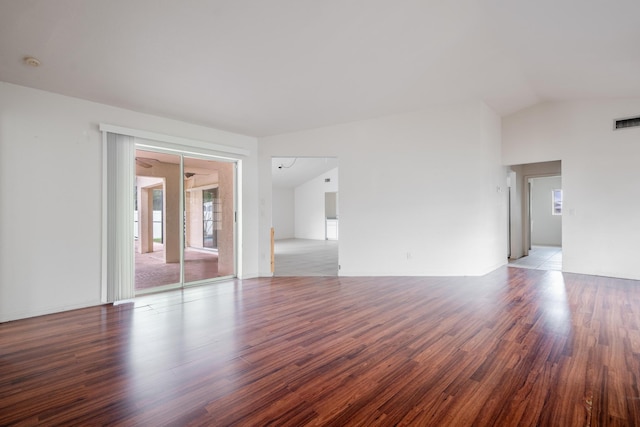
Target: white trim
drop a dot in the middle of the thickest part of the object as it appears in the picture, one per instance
(167, 148)
(104, 238)
(183, 219)
(11, 315)
(183, 142)
(236, 221)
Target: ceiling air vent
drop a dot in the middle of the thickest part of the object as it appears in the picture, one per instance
(628, 123)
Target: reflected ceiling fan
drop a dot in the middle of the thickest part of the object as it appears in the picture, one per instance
(192, 174)
(191, 171)
(145, 162)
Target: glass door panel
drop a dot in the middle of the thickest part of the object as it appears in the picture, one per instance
(210, 216)
(209, 219)
(157, 216)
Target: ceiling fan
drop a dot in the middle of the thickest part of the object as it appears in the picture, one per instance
(145, 162)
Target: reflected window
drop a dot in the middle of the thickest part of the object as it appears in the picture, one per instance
(210, 217)
(556, 202)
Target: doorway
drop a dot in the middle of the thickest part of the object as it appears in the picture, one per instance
(331, 215)
(535, 216)
(184, 219)
(305, 216)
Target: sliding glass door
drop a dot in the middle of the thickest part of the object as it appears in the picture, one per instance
(184, 219)
(209, 219)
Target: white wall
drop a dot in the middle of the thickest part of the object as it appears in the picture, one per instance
(300, 212)
(50, 161)
(600, 178)
(309, 205)
(283, 213)
(546, 228)
(421, 193)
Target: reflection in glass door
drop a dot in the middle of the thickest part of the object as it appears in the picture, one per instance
(157, 214)
(210, 213)
(209, 219)
(188, 244)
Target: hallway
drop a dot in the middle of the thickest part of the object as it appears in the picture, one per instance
(540, 258)
(305, 257)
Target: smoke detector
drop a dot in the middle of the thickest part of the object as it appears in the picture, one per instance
(31, 61)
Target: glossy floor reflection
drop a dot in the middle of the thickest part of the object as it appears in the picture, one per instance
(518, 347)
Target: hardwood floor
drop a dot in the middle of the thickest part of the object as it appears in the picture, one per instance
(516, 347)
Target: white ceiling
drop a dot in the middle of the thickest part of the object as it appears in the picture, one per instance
(263, 67)
(298, 170)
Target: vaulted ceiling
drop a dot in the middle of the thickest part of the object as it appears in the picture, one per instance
(263, 67)
(290, 172)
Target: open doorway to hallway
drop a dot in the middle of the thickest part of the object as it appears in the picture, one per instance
(536, 216)
(541, 258)
(305, 216)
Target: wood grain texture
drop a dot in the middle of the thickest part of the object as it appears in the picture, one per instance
(515, 347)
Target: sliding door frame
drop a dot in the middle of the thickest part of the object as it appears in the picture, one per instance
(157, 149)
(234, 219)
(183, 147)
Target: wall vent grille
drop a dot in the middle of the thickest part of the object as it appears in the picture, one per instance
(628, 123)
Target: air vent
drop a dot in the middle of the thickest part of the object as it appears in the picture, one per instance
(628, 123)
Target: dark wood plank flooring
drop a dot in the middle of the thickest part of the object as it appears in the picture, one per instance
(515, 347)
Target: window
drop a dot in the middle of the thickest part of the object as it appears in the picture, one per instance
(556, 202)
(211, 218)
